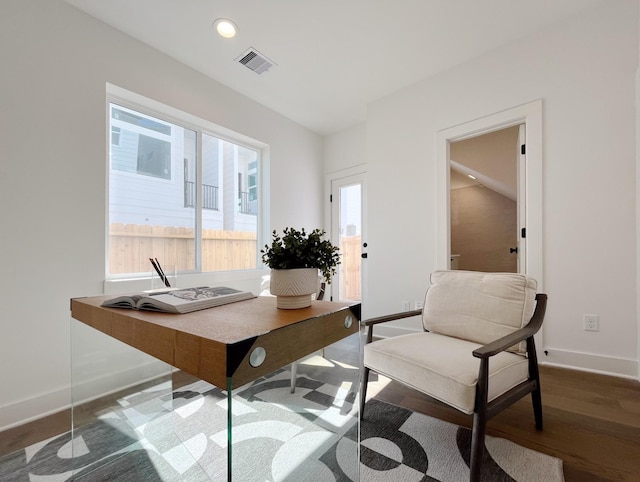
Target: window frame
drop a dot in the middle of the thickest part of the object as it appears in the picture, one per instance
(130, 100)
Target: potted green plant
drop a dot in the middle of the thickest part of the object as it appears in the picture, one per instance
(295, 258)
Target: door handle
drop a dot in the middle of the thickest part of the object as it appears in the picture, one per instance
(513, 250)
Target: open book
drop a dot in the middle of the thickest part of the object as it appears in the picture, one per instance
(179, 300)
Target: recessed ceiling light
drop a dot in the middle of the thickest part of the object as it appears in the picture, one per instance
(225, 27)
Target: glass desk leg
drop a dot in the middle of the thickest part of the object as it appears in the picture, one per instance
(126, 408)
(308, 435)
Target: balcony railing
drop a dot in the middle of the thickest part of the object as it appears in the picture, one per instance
(246, 204)
(209, 195)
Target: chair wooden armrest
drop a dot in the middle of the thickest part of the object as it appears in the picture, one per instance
(502, 344)
(391, 317)
(383, 319)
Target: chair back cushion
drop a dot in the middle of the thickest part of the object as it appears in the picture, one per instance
(479, 307)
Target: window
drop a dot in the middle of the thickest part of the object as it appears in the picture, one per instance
(179, 192)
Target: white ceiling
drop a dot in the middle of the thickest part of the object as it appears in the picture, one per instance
(333, 56)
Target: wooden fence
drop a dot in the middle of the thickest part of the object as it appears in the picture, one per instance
(131, 246)
(350, 248)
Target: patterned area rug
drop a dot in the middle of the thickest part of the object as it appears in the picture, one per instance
(400, 445)
(156, 436)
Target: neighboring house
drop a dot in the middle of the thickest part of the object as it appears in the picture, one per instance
(152, 179)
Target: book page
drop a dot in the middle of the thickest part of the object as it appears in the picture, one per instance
(194, 294)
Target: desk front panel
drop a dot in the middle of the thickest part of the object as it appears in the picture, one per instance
(216, 344)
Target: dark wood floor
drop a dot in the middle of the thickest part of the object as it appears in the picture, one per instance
(591, 422)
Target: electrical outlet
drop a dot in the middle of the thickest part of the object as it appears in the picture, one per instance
(591, 322)
(406, 305)
(417, 305)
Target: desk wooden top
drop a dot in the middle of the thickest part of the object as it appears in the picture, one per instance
(216, 344)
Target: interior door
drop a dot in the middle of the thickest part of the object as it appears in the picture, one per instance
(348, 232)
(522, 196)
(486, 181)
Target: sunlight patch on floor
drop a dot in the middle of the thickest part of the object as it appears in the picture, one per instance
(373, 388)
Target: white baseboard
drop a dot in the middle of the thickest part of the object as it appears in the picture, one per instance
(24, 411)
(41, 405)
(590, 362)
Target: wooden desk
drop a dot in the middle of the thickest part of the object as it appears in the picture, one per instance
(227, 346)
(216, 345)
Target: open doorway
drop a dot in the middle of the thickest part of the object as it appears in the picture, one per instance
(483, 183)
(529, 117)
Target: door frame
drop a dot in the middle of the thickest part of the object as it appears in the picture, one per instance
(531, 116)
(521, 160)
(359, 174)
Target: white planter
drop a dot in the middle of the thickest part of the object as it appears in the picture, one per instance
(294, 287)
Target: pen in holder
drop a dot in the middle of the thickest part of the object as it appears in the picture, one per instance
(162, 276)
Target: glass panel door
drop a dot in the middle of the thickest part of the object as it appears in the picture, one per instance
(348, 232)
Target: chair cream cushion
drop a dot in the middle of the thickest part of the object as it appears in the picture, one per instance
(478, 307)
(443, 367)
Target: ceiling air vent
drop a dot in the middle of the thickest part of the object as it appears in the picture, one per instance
(254, 60)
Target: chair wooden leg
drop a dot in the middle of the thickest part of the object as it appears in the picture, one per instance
(536, 398)
(479, 421)
(294, 375)
(363, 390)
(534, 374)
(477, 445)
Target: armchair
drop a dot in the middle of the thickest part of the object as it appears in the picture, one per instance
(476, 353)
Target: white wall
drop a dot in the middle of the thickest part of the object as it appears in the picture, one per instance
(584, 71)
(637, 252)
(55, 64)
(345, 149)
